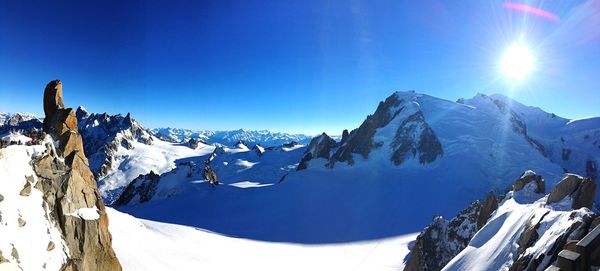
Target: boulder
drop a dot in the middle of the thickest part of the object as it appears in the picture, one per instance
(582, 191)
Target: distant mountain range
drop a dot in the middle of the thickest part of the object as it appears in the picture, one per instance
(229, 138)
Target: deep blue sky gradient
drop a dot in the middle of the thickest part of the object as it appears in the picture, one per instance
(295, 66)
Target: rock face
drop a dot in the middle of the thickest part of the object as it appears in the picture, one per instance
(412, 136)
(443, 239)
(258, 149)
(104, 134)
(143, 186)
(360, 141)
(581, 190)
(319, 147)
(529, 259)
(193, 143)
(489, 205)
(210, 174)
(69, 188)
(528, 177)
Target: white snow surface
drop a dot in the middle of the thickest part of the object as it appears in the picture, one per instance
(159, 157)
(86, 213)
(148, 245)
(16, 137)
(31, 240)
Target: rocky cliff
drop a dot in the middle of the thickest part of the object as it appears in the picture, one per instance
(70, 191)
(526, 230)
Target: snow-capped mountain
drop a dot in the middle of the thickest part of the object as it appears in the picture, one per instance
(229, 138)
(104, 134)
(18, 122)
(415, 150)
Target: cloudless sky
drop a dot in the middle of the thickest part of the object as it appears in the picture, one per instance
(294, 66)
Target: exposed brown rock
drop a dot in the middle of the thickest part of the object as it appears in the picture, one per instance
(582, 191)
(531, 177)
(50, 246)
(53, 98)
(210, 174)
(69, 186)
(21, 222)
(488, 207)
(26, 191)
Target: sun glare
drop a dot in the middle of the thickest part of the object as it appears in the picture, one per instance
(517, 62)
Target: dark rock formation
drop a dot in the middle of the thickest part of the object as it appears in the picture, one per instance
(582, 191)
(259, 150)
(319, 147)
(528, 177)
(210, 174)
(69, 185)
(290, 144)
(360, 140)
(193, 143)
(345, 136)
(489, 205)
(442, 240)
(414, 136)
(143, 186)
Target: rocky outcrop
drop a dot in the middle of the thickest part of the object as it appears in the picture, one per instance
(70, 189)
(581, 190)
(488, 206)
(193, 143)
(259, 150)
(345, 135)
(319, 147)
(144, 186)
(443, 239)
(530, 177)
(210, 175)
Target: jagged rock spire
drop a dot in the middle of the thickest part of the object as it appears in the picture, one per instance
(70, 189)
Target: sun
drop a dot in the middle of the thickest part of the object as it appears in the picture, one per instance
(517, 62)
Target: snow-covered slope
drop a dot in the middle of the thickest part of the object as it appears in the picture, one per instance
(230, 138)
(29, 240)
(572, 144)
(239, 167)
(149, 245)
(525, 233)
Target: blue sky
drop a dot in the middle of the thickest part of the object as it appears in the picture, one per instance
(295, 66)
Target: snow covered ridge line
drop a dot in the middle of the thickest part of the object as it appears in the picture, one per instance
(229, 138)
(521, 230)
